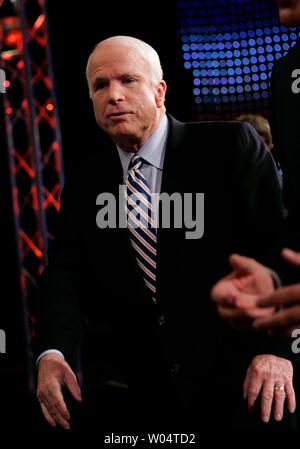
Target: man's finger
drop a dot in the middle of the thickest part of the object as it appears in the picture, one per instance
(255, 386)
(284, 318)
(246, 383)
(222, 291)
(242, 264)
(282, 296)
(267, 395)
(278, 402)
(71, 383)
(60, 420)
(53, 400)
(291, 256)
(47, 415)
(62, 409)
(56, 406)
(290, 396)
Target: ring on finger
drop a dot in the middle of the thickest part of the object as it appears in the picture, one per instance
(279, 388)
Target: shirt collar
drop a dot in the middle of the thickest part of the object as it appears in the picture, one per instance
(152, 151)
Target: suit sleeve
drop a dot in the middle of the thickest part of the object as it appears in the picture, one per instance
(58, 318)
(259, 206)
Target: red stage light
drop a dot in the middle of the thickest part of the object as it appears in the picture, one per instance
(14, 38)
(39, 21)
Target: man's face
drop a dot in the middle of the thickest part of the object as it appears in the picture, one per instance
(127, 104)
(289, 12)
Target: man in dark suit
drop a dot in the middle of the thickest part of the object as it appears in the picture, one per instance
(168, 345)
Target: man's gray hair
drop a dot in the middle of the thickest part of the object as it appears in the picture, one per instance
(145, 49)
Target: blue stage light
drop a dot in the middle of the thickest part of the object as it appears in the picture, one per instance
(231, 46)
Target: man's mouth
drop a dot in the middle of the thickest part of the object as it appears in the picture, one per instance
(118, 114)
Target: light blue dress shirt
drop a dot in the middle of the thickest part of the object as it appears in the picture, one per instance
(153, 153)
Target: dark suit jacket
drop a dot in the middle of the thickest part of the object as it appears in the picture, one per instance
(92, 273)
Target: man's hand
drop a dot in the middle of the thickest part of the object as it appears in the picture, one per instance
(236, 295)
(272, 377)
(287, 318)
(53, 373)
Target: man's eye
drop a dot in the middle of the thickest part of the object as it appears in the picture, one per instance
(128, 80)
(100, 86)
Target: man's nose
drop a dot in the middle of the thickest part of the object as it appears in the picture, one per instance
(116, 93)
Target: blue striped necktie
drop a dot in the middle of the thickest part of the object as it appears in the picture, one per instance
(140, 222)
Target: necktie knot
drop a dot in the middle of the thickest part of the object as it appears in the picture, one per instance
(135, 163)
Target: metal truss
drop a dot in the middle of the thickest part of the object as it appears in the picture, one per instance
(33, 138)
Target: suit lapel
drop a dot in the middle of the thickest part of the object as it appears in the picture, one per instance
(173, 155)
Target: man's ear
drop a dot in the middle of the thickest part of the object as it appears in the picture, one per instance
(161, 93)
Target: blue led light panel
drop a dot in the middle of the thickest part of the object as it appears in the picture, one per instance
(230, 47)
